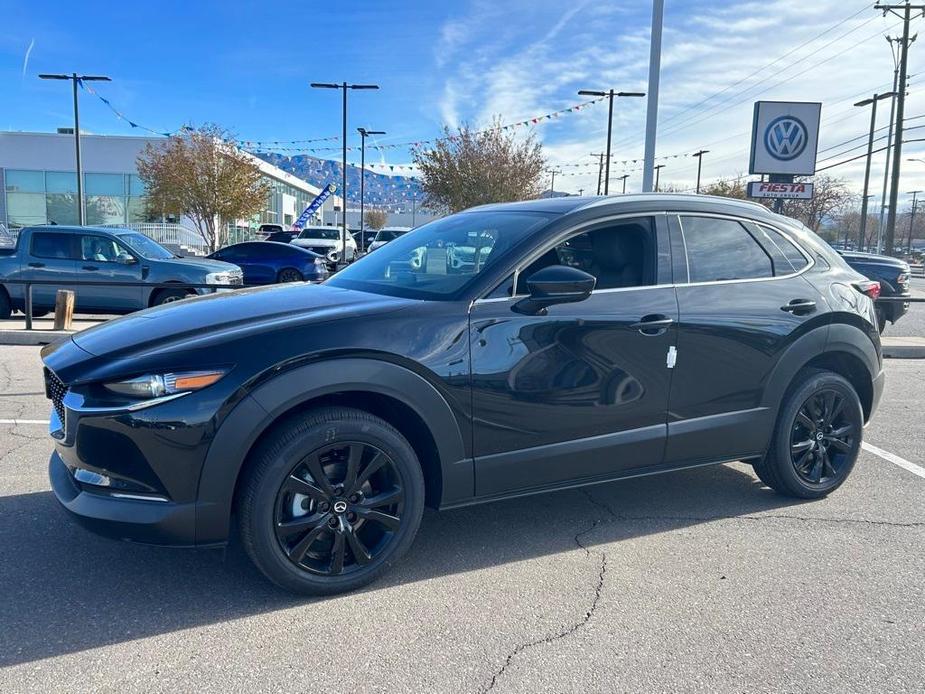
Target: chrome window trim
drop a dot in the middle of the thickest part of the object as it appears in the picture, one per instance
(811, 261)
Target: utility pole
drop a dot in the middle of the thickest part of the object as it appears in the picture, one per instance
(342, 260)
(552, 184)
(609, 94)
(600, 171)
(872, 102)
(623, 178)
(905, 12)
(581, 192)
(699, 156)
(364, 133)
(912, 219)
(75, 81)
(658, 169)
(414, 199)
(889, 141)
(655, 61)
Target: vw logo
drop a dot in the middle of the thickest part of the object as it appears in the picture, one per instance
(785, 138)
(819, 436)
(340, 506)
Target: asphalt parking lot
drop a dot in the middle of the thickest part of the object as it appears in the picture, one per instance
(701, 581)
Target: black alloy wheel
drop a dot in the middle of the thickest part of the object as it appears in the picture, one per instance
(330, 499)
(822, 437)
(339, 508)
(289, 275)
(817, 437)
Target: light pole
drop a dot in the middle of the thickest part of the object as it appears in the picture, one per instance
(581, 192)
(75, 80)
(600, 170)
(912, 219)
(414, 198)
(658, 169)
(872, 102)
(344, 86)
(364, 133)
(610, 94)
(699, 156)
(623, 178)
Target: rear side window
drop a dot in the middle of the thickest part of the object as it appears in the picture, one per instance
(796, 260)
(722, 249)
(51, 245)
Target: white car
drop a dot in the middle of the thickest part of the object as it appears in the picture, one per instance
(326, 242)
(386, 234)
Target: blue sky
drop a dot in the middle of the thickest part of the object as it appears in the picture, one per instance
(247, 67)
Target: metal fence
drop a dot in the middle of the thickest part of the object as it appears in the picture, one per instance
(175, 237)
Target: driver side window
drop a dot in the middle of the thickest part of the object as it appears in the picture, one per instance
(100, 249)
(619, 255)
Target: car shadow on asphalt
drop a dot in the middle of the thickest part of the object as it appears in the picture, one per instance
(66, 590)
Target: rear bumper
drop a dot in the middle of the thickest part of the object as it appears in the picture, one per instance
(136, 520)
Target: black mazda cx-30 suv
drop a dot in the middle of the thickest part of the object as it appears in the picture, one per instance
(506, 350)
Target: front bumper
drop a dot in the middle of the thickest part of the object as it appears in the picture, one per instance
(123, 518)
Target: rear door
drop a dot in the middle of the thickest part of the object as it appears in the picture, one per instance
(742, 301)
(582, 391)
(50, 257)
(104, 260)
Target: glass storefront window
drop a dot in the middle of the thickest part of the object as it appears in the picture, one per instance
(137, 211)
(105, 209)
(25, 181)
(136, 186)
(60, 182)
(104, 184)
(25, 209)
(61, 208)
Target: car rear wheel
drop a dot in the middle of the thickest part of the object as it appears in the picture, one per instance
(817, 438)
(330, 501)
(289, 275)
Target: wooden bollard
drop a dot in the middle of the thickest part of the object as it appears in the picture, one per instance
(64, 309)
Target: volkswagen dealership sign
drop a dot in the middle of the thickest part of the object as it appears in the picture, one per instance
(785, 135)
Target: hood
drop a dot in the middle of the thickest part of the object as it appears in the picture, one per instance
(217, 317)
(202, 264)
(325, 243)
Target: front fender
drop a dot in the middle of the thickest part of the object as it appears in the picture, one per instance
(265, 404)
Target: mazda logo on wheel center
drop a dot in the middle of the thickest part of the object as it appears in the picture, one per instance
(340, 506)
(785, 138)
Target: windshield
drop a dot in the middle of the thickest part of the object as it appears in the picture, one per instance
(332, 234)
(145, 247)
(440, 259)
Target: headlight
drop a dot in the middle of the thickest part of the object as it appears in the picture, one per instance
(218, 278)
(159, 385)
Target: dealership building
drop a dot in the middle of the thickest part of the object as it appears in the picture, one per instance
(38, 183)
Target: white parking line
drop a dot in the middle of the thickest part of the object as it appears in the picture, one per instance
(886, 455)
(895, 459)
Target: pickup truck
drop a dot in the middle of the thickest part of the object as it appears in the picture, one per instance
(893, 275)
(64, 255)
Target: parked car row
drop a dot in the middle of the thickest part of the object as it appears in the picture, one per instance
(63, 257)
(893, 275)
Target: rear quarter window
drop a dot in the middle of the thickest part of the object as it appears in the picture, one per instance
(721, 249)
(52, 245)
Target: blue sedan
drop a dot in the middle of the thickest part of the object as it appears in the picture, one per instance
(269, 262)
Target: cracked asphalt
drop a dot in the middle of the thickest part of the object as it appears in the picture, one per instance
(698, 581)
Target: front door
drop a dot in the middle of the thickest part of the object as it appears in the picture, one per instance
(580, 392)
(104, 260)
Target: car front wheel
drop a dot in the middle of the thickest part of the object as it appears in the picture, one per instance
(330, 501)
(817, 438)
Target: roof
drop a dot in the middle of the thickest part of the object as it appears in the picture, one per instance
(71, 228)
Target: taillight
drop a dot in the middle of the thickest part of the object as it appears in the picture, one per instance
(869, 287)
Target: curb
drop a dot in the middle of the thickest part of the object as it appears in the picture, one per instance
(904, 351)
(32, 337)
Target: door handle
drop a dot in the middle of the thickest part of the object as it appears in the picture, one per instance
(36, 264)
(799, 307)
(90, 267)
(655, 324)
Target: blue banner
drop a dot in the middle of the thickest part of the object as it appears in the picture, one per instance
(313, 206)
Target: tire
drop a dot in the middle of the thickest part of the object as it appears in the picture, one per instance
(168, 296)
(813, 452)
(289, 274)
(294, 523)
(6, 308)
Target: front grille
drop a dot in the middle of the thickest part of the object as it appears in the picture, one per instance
(320, 250)
(55, 391)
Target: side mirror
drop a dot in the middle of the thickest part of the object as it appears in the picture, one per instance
(125, 259)
(557, 284)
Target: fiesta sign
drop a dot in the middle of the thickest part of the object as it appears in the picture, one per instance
(789, 191)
